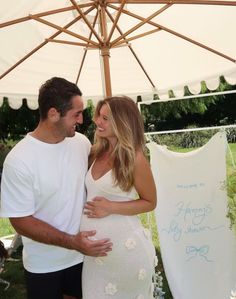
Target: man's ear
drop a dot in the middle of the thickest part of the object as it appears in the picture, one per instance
(53, 115)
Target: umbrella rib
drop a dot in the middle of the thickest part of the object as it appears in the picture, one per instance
(64, 30)
(60, 41)
(143, 21)
(137, 36)
(41, 14)
(200, 2)
(86, 20)
(132, 51)
(41, 45)
(197, 43)
(177, 34)
(86, 50)
(115, 21)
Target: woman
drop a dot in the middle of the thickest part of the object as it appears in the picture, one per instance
(119, 185)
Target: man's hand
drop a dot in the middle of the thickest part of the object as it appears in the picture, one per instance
(40, 231)
(86, 243)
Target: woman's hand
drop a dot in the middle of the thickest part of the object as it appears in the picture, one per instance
(99, 207)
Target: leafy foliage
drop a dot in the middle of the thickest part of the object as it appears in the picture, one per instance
(88, 126)
(14, 124)
(204, 111)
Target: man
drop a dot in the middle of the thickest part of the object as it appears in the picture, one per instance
(43, 192)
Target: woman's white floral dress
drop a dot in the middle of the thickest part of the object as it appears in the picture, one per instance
(126, 273)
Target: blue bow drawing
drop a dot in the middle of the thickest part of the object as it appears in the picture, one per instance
(193, 252)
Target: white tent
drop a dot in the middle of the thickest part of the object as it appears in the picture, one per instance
(177, 42)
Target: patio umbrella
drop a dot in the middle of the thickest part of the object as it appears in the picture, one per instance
(132, 47)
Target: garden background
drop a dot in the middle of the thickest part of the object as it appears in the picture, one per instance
(206, 111)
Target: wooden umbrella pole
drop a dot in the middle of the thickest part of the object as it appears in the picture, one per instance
(105, 52)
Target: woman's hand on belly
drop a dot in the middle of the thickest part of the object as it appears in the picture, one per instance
(98, 207)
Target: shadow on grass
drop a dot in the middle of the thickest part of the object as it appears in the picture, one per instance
(14, 273)
(160, 268)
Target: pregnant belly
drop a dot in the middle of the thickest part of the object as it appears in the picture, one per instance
(110, 226)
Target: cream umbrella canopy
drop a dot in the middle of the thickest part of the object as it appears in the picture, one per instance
(115, 47)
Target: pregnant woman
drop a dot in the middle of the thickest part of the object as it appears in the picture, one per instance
(120, 186)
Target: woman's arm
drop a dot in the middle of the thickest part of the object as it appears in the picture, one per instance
(143, 182)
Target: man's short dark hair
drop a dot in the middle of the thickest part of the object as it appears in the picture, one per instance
(56, 93)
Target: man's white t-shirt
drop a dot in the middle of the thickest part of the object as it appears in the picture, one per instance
(48, 182)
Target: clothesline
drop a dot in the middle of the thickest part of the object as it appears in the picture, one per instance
(190, 130)
(187, 97)
(198, 129)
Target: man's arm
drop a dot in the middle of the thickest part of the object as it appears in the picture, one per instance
(43, 232)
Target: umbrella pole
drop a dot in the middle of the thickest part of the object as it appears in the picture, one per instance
(105, 53)
(106, 76)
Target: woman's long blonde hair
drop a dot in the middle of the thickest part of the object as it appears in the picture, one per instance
(128, 127)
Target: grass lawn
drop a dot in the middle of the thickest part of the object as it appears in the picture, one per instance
(13, 271)
(5, 228)
(231, 155)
